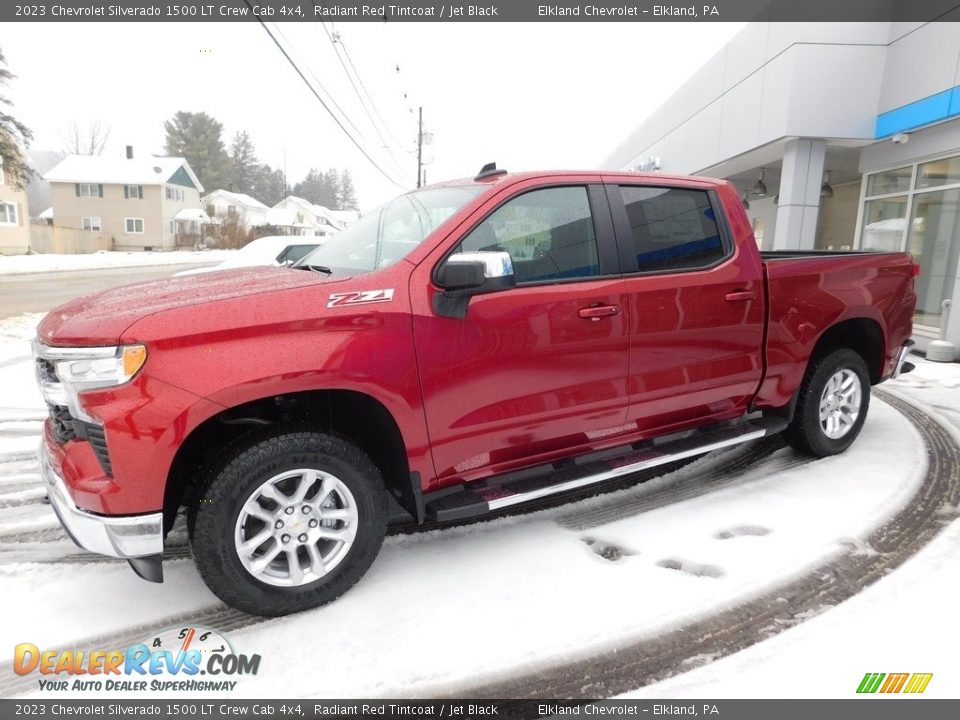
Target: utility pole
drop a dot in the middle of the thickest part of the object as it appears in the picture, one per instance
(420, 148)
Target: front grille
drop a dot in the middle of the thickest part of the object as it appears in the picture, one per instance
(66, 428)
(46, 371)
(62, 422)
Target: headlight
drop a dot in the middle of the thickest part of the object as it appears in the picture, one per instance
(63, 373)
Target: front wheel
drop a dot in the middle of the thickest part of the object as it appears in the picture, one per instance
(832, 405)
(289, 522)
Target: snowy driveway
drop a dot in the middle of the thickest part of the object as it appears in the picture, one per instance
(471, 605)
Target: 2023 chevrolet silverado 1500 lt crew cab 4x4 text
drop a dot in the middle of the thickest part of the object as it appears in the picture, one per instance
(467, 347)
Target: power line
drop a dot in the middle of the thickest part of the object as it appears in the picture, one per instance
(367, 93)
(356, 90)
(321, 101)
(329, 95)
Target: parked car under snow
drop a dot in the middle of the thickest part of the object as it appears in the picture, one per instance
(276, 250)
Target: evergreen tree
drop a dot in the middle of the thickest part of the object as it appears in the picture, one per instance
(243, 163)
(311, 188)
(347, 197)
(197, 138)
(15, 137)
(270, 186)
(329, 197)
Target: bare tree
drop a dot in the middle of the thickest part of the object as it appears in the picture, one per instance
(89, 140)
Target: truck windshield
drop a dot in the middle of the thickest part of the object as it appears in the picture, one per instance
(382, 237)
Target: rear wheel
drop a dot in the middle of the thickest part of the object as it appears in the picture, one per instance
(291, 522)
(832, 404)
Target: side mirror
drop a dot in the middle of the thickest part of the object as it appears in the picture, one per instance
(483, 271)
(466, 274)
(462, 275)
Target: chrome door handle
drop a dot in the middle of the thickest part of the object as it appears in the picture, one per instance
(599, 311)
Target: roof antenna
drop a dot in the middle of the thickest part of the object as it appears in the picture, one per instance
(488, 171)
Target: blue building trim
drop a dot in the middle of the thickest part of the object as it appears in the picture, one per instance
(942, 106)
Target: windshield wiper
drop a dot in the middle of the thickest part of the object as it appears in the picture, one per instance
(317, 268)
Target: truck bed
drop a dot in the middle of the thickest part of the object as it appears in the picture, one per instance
(810, 291)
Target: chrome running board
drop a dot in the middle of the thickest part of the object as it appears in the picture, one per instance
(477, 498)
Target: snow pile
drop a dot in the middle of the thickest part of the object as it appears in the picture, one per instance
(903, 623)
(16, 333)
(26, 264)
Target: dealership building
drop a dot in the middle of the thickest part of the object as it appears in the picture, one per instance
(840, 136)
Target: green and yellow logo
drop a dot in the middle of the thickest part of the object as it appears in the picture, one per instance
(894, 682)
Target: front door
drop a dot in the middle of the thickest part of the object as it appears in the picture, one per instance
(535, 369)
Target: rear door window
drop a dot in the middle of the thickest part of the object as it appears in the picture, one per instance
(672, 229)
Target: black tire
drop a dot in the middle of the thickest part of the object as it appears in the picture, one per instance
(805, 433)
(245, 467)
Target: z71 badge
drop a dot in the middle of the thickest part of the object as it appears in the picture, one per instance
(360, 297)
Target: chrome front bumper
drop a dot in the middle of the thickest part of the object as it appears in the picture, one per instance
(898, 366)
(128, 536)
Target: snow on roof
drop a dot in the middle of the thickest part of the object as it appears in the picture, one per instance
(118, 171)
(46, 214)
(237, 199)
(318, 211)
(193, 214)
(282, 216)
(345, 216)
(292, 199)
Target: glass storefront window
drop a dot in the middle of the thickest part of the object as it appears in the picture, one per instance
(932, 235)
(939, 172)
(934, 240)
(884, 223)
(889, 182)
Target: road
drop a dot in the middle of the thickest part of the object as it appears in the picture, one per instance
(43, 291)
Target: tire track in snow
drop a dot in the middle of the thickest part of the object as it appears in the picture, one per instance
(644, 662)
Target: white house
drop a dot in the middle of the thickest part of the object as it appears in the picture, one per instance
(305, 218)
(223, 204)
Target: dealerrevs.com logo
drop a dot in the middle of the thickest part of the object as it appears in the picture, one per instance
(175, 659)
(910, 683)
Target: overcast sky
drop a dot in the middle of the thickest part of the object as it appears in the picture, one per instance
(527, 95)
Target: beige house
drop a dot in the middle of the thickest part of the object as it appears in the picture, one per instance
(14, 218)
(147, 203)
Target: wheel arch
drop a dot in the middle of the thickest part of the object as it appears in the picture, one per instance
(863, 335)
(353, 415)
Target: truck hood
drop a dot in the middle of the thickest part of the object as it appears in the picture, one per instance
(102, 318)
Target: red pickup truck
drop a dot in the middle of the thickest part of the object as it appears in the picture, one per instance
(467, 347)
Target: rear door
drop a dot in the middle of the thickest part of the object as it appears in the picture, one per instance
(535, 369)
(695, 306)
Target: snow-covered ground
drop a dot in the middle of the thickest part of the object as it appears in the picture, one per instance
(27, 264)
(487, 601)
(906, 622)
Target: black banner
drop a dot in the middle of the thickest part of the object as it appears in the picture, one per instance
(481, 11)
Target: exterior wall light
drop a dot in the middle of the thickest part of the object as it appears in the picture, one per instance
(760, 189)
(826, 190)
